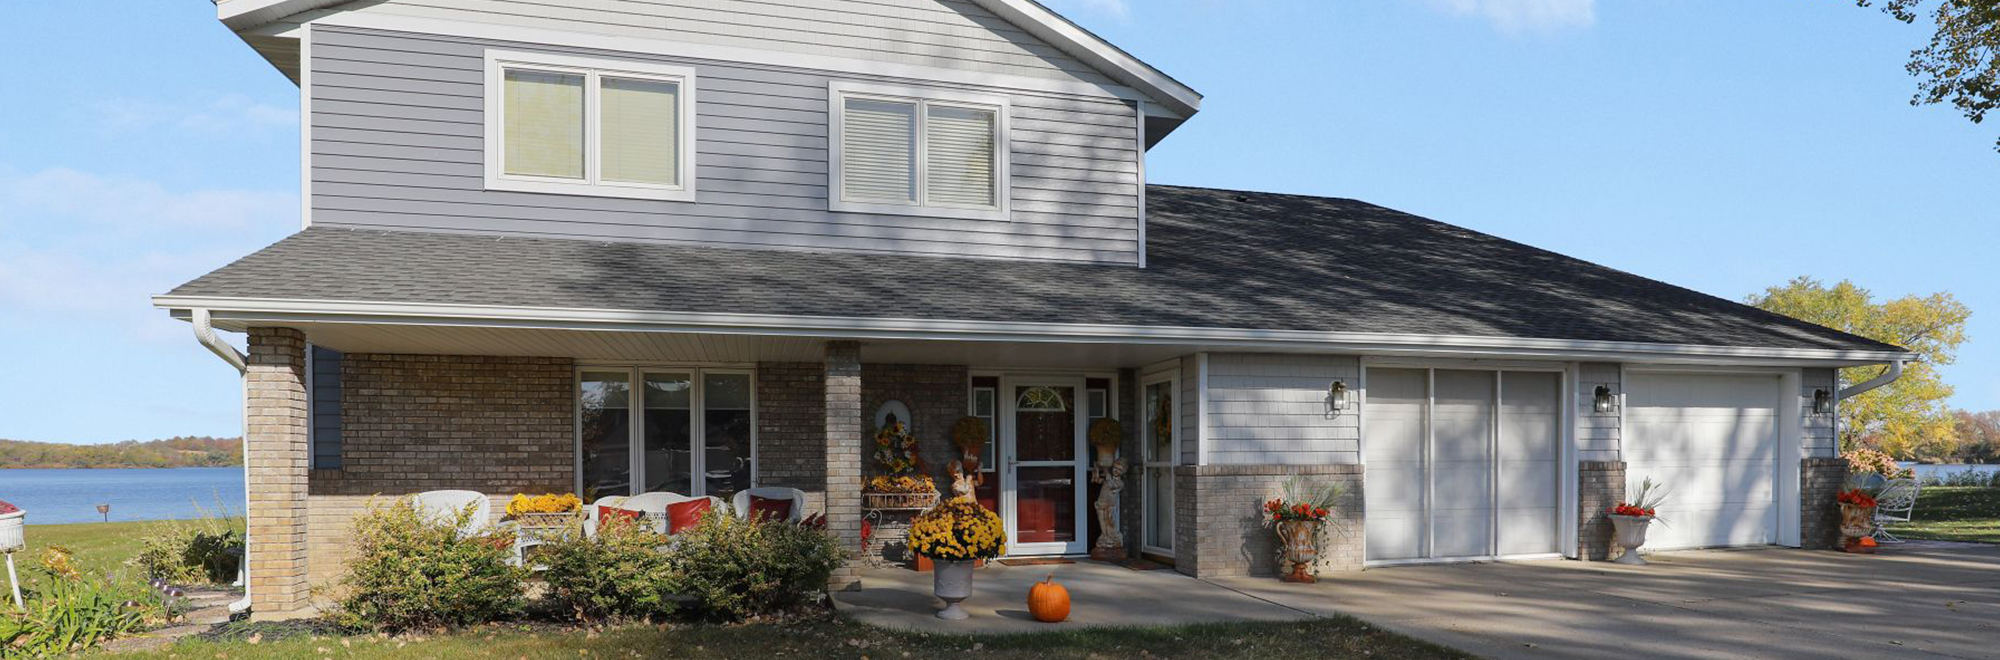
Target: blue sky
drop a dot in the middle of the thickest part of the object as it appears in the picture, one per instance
(1720, 145)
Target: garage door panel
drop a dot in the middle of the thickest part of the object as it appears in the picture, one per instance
(1394, 487)
(1528, 531)
(1395, 534)
(1712, 439)
(1528, 483)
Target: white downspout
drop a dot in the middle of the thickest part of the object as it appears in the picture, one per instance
(204, 332)
(1895, 371)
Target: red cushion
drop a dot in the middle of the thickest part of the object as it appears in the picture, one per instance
(605, 513)
(770, 508)
(684, 515)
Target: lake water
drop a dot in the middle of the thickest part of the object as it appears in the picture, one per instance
(70, 496)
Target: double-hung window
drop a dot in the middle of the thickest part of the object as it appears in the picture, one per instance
(582, 126)
(918, 152)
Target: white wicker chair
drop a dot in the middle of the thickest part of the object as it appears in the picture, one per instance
(445, 505)
(590, 512)
(798, 497)
(1895, 504)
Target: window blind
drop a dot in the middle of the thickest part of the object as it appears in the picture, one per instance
(878, 157)
(639, 130)
(959, 169)
(544, 124)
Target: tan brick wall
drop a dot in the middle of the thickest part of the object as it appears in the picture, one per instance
(1820, 480)
(276, 464)
(1600, 486)
(843, 451)
(1220, 528)
(412, 423)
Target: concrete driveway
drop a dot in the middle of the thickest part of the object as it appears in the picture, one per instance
(1922, 600)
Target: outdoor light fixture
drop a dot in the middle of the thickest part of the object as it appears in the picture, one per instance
(1337, 395)
(1603, 402)
(1822, 401)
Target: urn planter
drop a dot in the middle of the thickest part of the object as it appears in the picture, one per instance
(951, 582)
(1298, 545)
(1630, 533)
(1856, 522)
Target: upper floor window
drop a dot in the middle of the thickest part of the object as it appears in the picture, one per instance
(918, 152)
(557, 124)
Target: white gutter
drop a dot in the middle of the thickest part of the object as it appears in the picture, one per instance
(1895, 371)
(204, 332)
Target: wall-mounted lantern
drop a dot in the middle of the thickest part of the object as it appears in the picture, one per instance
(1822, 401)
(1603, 401)
(1337, 395)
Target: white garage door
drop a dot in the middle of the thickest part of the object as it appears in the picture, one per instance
(1714, 439)
(1461, 463)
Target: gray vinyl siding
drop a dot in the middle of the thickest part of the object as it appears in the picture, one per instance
(1190, 394)
(1270, 409)
(1597, 433)
(1819, 436)
(398, 137)
(953, 34)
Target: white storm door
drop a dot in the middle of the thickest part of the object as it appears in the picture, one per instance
(1043, 482)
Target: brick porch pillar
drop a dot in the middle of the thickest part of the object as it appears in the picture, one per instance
(1600, 486)
(1820, 480)
(278, 456)
(843, 453)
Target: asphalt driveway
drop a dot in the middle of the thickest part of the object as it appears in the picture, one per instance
(1923, 600)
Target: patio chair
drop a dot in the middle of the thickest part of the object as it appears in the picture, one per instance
(590, 512)
(445, 505)
(741, 503)
(1895, 504)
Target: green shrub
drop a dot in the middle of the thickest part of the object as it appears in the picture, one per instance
(410, 572)
(68, 611)
(185, 552)
(736, 569)
(619, 574)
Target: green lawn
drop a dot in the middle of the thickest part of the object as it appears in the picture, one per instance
(98, 546)
(1954, 513)
(824, 637)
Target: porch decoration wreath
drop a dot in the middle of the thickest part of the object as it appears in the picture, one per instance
(969, 435)
(958, 530)
(897, 450)
(1163, 419)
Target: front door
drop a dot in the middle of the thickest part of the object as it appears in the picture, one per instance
(1043, 482)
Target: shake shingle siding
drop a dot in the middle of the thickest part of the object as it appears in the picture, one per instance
(1218, 259)
(398, 143)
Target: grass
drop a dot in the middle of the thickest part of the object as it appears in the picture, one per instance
(1954, 513)
(827, 637)
(97, 546)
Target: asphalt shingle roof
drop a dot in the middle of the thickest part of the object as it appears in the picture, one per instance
(1217, 259)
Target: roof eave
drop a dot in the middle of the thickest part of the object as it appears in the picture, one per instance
(1078, 42)
(237, 313)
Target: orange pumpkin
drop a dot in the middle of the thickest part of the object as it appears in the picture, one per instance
(1048, 602)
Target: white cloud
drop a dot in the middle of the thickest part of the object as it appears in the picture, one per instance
(77, 243)
(225, 114)
(1519, 16)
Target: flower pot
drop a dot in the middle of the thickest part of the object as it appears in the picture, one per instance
(1856, 522)
(13, 531)
(1630, 533)
(1298, 546)
(952, 583)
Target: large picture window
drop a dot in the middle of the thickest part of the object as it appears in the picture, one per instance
(688, 431)
(590, 127)
(918, 152)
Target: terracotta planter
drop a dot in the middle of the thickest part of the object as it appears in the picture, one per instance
(1856, 522)
(1630, 533)
(1298, 546)
(952, 583)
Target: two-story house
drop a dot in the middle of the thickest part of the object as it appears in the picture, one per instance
(695, 246)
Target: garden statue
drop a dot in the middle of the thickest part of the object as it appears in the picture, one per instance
(1106, 434)
(963, 484)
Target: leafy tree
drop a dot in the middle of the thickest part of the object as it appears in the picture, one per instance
(1978, 437)
(1962, 63)
(1907, 418)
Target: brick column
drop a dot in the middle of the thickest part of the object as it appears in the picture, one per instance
(1600, 486)
(1220, 529)
(843, 452)
(276, 464)
(1820, 481)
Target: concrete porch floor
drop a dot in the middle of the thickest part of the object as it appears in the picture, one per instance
(1921, 600)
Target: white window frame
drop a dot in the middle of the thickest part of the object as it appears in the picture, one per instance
(1172, 380)
(838, 92)
(593, 70)
(635, 427)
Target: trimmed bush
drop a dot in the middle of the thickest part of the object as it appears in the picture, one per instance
(414, 573)
(736, 569)
(619, 574)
